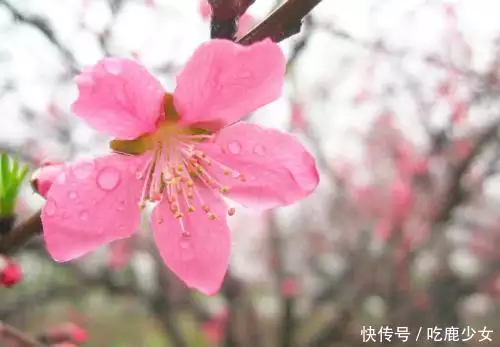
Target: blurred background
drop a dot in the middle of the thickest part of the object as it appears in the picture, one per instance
(399, 103)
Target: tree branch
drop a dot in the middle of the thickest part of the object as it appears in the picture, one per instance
(284, 22)
(20, 234)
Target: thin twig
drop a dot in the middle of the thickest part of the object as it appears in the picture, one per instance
(282, 23)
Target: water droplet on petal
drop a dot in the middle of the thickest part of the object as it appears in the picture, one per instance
(113, 66)
(50, 207)
(84, 215)
(83, 170)
(234, 147)
(72, 195)
(108, 178)
(259, 150)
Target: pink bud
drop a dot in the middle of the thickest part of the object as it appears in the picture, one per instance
(11, 275)
(289, 287)
(42, 178)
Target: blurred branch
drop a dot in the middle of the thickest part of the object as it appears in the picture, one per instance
(282, 23)
(21, 339)
(231, 290)
(455, 194)
(381, 47)
(42, 25)
(21, 233)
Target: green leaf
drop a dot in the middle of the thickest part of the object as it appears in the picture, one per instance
(4, 168)
(12, 175)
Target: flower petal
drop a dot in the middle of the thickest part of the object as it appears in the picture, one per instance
(119, 97)
(201, 259)
(91, 204)
(224, 81)
(278, 170)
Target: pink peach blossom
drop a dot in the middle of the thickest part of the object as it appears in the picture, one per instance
(183, 151)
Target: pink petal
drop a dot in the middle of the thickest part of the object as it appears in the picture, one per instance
(278, 169)
(201, 259)
(91, 204)
(224, 81)
(119, 97)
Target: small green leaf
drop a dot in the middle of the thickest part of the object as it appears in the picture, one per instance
(4, 168)
(12, 175)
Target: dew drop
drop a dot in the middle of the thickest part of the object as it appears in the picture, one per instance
(83, 170)
(259, 150)
(84, 215)
(50, 207)
(113, 66)
(108, 178)
(72, 195)
(234, 147)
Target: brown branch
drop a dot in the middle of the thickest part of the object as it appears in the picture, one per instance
(21, 234)
(284, 22)
(225, 17)
(13, 334)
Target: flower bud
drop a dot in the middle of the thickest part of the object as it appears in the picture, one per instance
(42, 178)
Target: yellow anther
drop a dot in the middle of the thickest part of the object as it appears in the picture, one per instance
(141, 205)
(189, 195)
(179, 167)
(224, 189)
(191, 209)
(190, 183)
(179, 215)
(242, 178)
(231, 211)
(211, 216)
(205, 208)
(227, 172)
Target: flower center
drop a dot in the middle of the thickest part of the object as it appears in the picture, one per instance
(177, 169)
